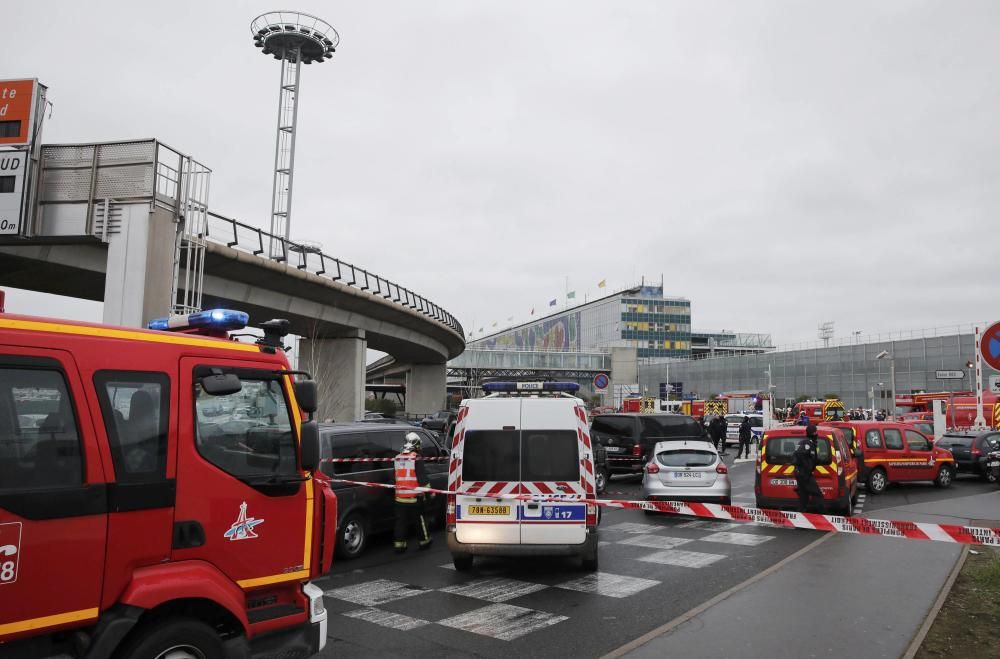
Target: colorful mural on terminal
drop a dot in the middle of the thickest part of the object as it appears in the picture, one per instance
(562, 333)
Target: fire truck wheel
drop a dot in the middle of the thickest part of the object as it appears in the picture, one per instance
(462, 562)
(173, 638)
(352, 536)
(944, 477)
(877, 481)
(601, 480)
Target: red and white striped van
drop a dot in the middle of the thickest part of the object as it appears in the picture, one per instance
(523, 438)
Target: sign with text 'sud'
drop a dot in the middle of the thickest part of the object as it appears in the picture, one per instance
(17, 111)
(989, 346)
(13, 167)
(949, 375)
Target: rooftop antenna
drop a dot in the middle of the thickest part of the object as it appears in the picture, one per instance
(294, 38)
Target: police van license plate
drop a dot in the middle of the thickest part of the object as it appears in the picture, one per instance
(783, 481)
(614, 449)
(489, 510)
(687, 474)
(994, 463)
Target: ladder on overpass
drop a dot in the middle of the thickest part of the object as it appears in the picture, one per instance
(191, 218)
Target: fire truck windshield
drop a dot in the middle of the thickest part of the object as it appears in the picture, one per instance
(249, 433)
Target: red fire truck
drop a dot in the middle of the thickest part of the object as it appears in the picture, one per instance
(818, 411)
(960, 407)
(156, 496)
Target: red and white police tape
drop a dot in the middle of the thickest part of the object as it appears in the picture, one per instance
(969, 535)
(417, 457)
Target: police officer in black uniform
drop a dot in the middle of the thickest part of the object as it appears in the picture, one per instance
(805, 463)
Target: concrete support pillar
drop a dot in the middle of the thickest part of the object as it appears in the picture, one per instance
(338, 365)
(140, 267)
(426, 388)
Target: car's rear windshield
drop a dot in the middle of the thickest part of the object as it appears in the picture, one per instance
(957, 440)
(686, 457)
(512, 455)
(781, 450)
(735, 418)
(670, 425)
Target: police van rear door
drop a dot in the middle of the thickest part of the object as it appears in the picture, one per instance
(490, 466)
(551, 454)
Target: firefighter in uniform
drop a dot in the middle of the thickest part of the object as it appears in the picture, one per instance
(805, 462)
(410, 473)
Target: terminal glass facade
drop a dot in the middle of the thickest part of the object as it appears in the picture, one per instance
(640, 318)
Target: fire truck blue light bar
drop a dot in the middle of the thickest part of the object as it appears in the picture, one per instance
(215, 319)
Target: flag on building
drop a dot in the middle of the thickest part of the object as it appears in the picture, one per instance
(532, 311)
(552, 303)
(570, 295)
(511, 319)
(495, 323)
(602, 283)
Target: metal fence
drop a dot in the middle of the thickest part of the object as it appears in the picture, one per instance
(304, 256)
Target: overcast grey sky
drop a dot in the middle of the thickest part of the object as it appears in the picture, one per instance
(780, 163)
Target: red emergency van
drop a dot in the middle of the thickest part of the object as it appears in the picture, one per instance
(156, 493)
(836, 471)
(896, 453)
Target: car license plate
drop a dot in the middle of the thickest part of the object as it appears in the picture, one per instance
(615, 449)
(995, 463)
(687, 474)
(489, 510)
(783, 481)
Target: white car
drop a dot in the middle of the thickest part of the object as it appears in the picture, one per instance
(523, 438)
(686, 470)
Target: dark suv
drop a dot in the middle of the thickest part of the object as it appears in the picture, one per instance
(442, 421)
(363, 510)
(629, 438)
(971, 450)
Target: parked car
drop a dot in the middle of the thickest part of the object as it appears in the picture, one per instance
(630, 438)
(361, 510)
(971, 451)
(733, 422)
(442, 421)
(993, 464)
(686, 470)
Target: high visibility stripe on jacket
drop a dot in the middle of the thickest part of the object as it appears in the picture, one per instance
(406, 477)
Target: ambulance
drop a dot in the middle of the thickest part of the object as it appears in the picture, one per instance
(818, 411)
(156, 492)
(522, 438)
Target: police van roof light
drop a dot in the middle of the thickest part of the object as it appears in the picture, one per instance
(508, 387)
(217, 320)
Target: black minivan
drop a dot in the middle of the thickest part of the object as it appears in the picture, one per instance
(630, 438)
(362, 510)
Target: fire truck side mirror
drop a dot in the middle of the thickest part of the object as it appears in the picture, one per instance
(221, 384)
(306, 395)
(310, 446)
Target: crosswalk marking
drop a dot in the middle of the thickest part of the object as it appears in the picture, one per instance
(502, 621)
(745, 539)
(387, 619)
(497, 589)
(609, 585)
(654, 541)
(681, 558)
(373, 593)
(635, 527)
(713, 526)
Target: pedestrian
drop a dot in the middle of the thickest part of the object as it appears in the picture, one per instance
(745, 435)
(409, 506)
(723, 432)
(805, 462)
(803, 419)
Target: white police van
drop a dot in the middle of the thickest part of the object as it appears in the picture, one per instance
(523, 438)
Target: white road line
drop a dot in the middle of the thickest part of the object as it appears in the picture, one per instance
(681, 558)
(448, 566)
(497, 589)
(635, 527)
(386, 619)
(654, 541)
(373, 593)
(609, 585)
(711, 526)
(504, 622)
(745, 539)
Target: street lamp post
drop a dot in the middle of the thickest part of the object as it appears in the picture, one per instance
(971, 366)
(892, 379)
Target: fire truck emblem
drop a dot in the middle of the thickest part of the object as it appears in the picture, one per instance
(242, 528)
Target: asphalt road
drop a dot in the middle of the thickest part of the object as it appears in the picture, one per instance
(903, 494)
(652, 569)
